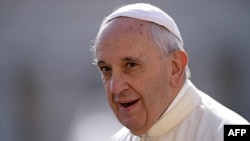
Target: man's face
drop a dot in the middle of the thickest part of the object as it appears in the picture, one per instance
(135, 74)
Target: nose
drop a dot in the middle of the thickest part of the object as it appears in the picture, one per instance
(118, 83)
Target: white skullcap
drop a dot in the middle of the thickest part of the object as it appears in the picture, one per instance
(147, 12)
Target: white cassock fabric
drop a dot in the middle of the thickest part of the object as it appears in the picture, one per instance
(192, 116)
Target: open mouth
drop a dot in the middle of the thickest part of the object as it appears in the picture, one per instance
(128, 104)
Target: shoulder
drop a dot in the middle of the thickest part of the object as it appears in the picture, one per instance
(219, 112)
(213, 111)
(208, 118)
(122, 135)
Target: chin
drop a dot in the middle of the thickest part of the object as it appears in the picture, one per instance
(138, 133)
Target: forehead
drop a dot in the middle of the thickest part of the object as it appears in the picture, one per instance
(122, 24)
(123, 27)
(124, 36)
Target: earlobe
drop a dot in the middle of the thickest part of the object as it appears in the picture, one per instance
(179, 62)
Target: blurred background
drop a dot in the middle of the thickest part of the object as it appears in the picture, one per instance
(50, 91)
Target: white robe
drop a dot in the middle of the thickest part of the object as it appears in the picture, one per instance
(192, 116)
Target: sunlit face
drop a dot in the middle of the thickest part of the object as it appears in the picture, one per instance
(135, 74)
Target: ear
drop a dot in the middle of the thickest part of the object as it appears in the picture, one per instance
(179, 61)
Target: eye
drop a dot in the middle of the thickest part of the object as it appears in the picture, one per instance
(131, 64)
(104, 69)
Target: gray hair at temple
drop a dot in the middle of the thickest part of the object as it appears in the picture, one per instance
(163, 29)
(167, 42)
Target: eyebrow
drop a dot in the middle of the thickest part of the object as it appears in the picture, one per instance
(123, 59)
(129, 59)
(100, 62)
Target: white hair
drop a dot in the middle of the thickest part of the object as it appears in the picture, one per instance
(166, 41)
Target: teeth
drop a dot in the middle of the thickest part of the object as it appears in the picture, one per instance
(125, 105)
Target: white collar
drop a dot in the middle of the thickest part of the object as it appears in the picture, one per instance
(179, 96)
(186, 100)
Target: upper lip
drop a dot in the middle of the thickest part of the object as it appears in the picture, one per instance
(128, 101)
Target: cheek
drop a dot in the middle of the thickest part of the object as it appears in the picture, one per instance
(109, 96)
(157, 92)
(110, 99)
(111, 103)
